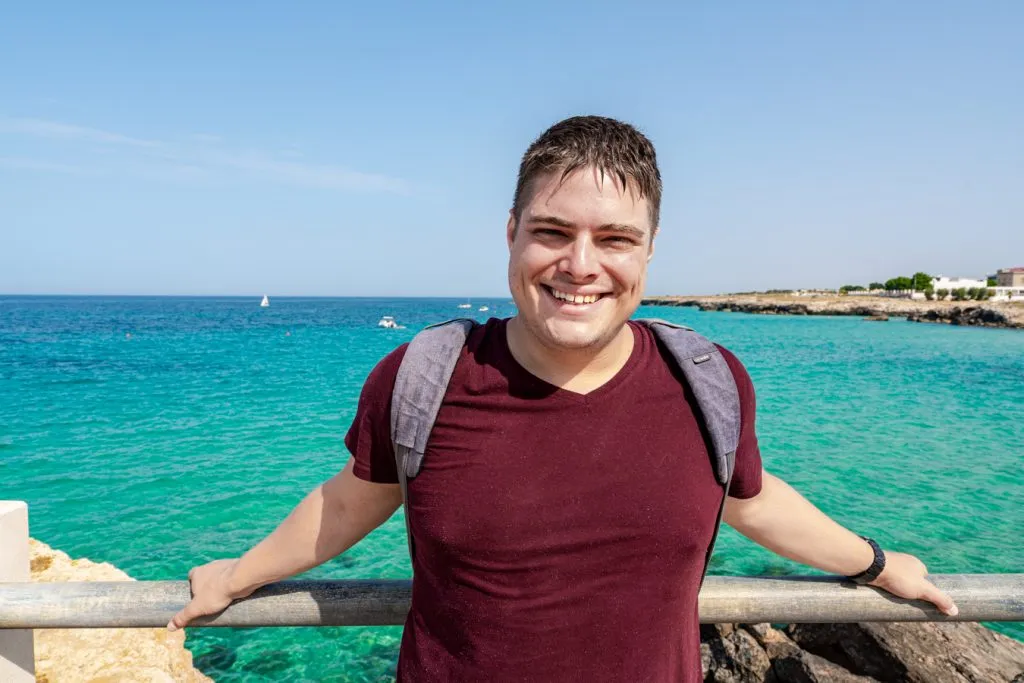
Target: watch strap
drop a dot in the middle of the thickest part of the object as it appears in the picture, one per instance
(877, 565)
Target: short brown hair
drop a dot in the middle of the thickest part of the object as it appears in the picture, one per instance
(613, 147)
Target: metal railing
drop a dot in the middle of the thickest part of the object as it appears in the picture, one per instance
(723, 599)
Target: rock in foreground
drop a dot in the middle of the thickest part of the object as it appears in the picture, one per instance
(107, 655)
(859, 653)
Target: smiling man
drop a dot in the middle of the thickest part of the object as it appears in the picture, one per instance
(579, 242)
(566, 500)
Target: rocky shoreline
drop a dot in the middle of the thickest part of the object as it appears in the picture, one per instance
(107, 655)
(981, 313)
(860, 653)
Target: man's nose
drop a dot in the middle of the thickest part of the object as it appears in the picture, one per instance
(581, 259)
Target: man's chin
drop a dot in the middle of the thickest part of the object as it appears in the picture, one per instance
(573, 336)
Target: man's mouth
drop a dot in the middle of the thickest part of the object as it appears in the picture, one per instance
(572, 299)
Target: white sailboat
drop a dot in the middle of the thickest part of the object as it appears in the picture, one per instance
(265, 303)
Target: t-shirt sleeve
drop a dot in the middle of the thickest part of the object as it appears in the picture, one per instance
(746, 478)
(369, 437)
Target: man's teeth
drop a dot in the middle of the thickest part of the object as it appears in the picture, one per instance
(575, 299)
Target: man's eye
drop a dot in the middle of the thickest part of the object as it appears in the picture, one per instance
(547, 232)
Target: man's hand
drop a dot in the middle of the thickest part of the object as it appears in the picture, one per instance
(210, 592)
(904, 576)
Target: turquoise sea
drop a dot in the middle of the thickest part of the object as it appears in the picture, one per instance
(191, 438)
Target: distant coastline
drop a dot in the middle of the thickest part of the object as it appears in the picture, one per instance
(981, 314)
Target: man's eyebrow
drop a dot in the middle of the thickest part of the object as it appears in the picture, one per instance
(552, 220)
(610, 227)
(624, 227)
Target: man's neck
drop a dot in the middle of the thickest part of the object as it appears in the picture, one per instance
(578, 370)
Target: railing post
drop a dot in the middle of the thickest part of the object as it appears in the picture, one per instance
(17, 657)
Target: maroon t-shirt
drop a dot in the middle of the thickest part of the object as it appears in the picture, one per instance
(559, 536)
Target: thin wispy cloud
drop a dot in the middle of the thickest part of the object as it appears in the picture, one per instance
(64, 131)
(21, 164)
(206, 156)
(296, 173)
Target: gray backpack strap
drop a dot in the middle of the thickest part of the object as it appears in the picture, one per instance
(420, 386)
(714, 387)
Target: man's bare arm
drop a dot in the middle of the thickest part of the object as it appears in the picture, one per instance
(786, 523)
(330, 519)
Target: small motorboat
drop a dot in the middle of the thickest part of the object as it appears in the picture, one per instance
(387, 322)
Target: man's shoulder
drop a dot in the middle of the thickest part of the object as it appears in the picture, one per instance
(390, 363)
(382, 376)
(734, 363)
(739, 371)
(744, 384)
(482, 335)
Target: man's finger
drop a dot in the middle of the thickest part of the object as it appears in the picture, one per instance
(932, 594)
(181, 619)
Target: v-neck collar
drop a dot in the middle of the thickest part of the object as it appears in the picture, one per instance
(554, 391)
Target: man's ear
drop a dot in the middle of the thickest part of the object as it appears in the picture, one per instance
(510, 229)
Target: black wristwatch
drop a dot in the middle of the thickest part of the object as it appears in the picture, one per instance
(877, 565)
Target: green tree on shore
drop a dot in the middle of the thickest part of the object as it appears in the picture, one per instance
(922, 281)
(898, 283)
(876, 285)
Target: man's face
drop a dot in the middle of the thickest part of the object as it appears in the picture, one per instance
(578, 258)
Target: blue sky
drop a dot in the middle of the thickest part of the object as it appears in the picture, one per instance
(323, 149)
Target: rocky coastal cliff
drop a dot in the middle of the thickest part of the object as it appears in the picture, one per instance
(860, 653)
(107, 655)
(980, 313)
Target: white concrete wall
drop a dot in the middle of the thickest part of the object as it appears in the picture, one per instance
(1008, 294)
(17, 660)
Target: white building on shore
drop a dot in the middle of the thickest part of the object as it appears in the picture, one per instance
(1001, 292)
(951, 283)
(1009, 284)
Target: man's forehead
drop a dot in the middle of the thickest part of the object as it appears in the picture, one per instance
(589, 178)
(587, 195)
